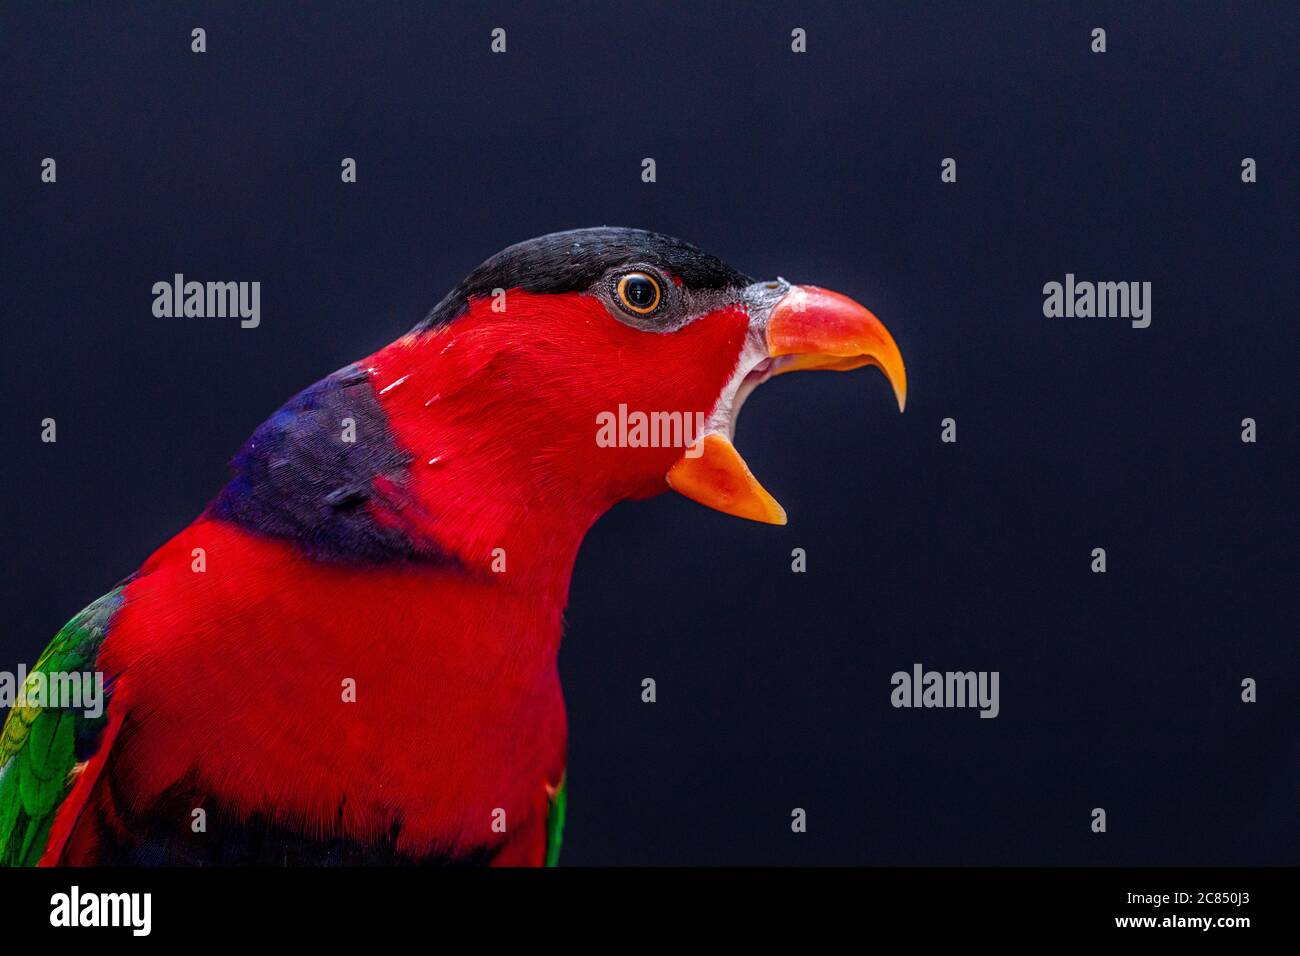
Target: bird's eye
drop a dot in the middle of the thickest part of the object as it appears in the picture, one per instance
(639, 293)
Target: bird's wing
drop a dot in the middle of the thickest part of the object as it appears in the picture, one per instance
(41, 745)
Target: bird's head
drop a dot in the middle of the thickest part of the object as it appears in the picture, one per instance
(601, 364)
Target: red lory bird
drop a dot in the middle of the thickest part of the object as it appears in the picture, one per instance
(350, 656)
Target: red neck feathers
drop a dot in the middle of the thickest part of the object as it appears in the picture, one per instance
(501, 412)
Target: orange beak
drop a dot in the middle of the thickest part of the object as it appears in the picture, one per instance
(819, 329)
(808, 328)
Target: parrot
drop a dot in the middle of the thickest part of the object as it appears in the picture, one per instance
(350, 656)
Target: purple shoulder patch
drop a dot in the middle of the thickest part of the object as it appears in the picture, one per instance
(308, 473)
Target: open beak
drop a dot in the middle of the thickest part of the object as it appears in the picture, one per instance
(807, 328)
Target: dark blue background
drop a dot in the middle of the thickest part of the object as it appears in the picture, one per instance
(1118, 690)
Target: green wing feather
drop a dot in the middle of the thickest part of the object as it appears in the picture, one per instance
(38, 746)
(555, 821)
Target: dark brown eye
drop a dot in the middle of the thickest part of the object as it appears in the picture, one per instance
(639, 293)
